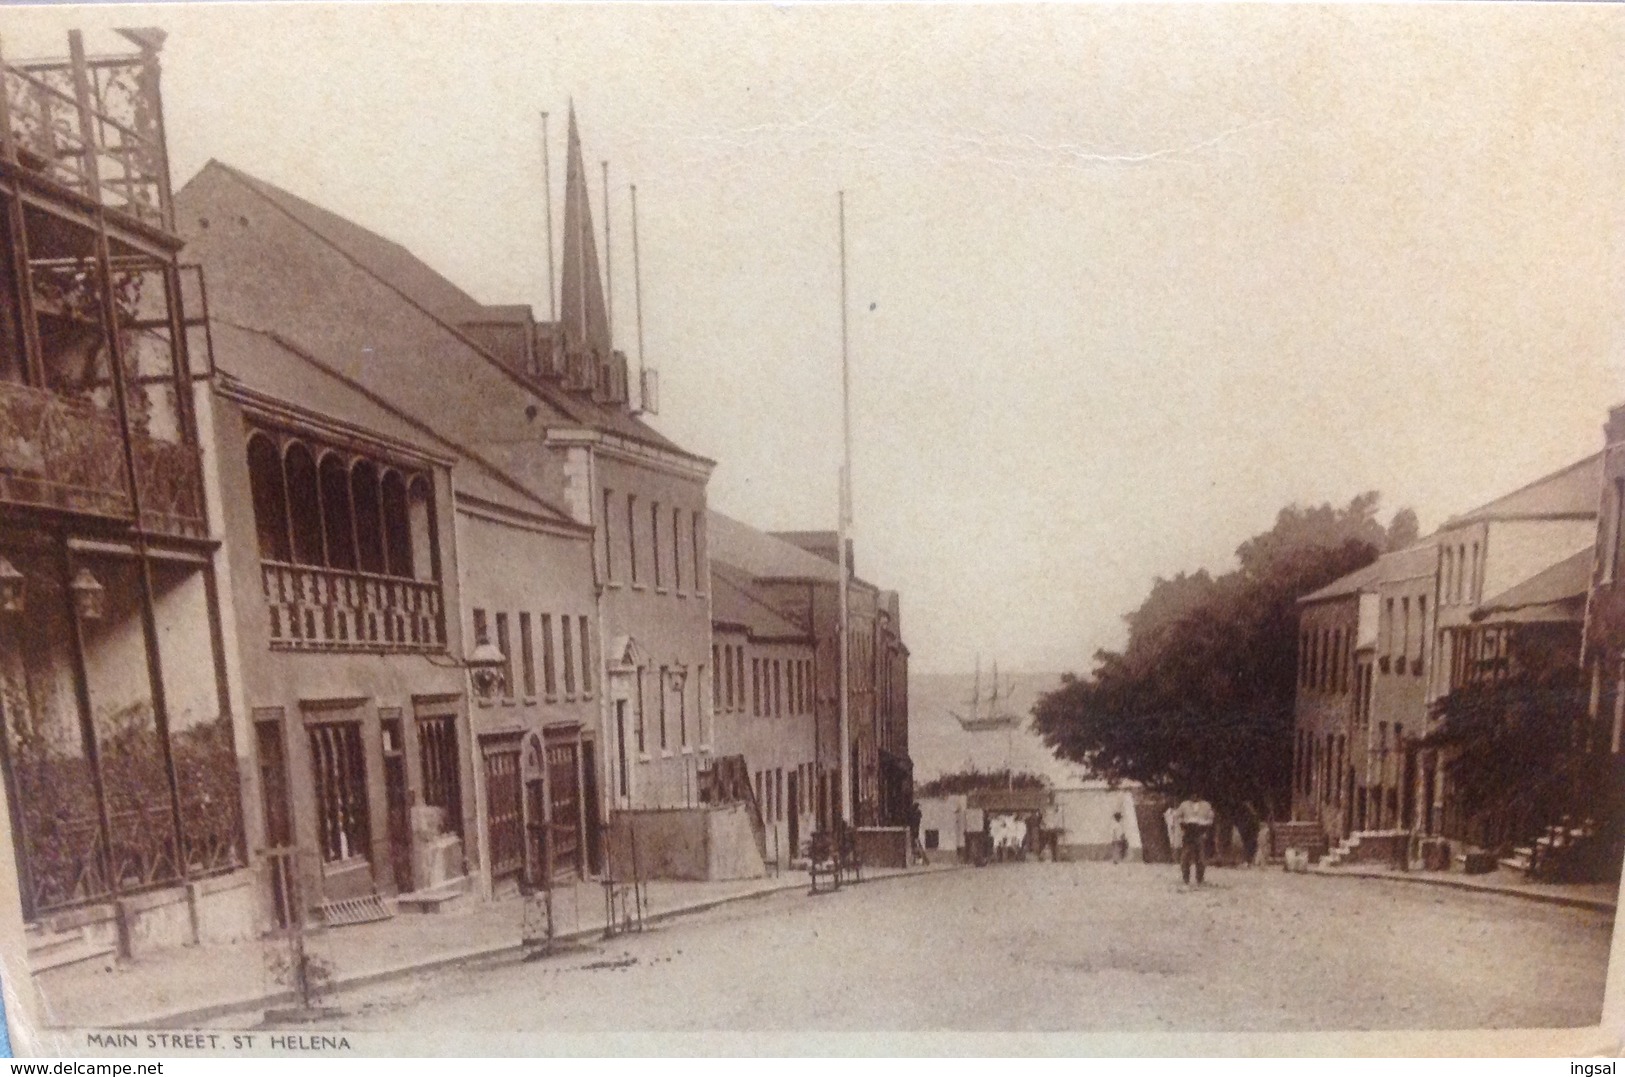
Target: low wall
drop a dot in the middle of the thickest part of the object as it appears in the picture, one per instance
(711, 842)
(221, 909)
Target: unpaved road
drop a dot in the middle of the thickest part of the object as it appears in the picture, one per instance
(1050, 947)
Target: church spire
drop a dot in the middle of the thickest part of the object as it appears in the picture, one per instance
(583, 317)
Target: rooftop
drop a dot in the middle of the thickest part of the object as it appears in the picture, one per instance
(763, 556)
(1556, 593)
(734, 602)
(1571, 491)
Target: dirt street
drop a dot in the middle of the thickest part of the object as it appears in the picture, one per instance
(1052, 947)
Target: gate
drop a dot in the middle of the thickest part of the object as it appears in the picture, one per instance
(564, 793)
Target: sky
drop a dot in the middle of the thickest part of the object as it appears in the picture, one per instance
(1123, 280)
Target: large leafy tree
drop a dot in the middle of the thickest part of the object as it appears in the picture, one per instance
(1201, 697)
(1518, 749)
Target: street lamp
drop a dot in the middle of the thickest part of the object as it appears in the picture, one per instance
(486, 666)
(13, 588)
(89, 596)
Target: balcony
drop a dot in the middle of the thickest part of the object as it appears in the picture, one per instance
(65, 454)
(93, 126)
(334, 610)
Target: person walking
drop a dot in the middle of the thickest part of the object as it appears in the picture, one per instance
(1195, 818)
(916, 850)
(1119, 838)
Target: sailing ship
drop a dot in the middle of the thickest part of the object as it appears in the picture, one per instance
(993, 711)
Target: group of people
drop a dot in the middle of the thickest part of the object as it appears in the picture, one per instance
(1189, 825)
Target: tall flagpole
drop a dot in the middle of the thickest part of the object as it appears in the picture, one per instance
(609, 280)
(637, 297)
(845, 522)
(547, 200)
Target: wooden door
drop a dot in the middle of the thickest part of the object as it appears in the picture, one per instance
(504, 813)
(564, 794)
(397, 804)
(273, 765)
(793, 796)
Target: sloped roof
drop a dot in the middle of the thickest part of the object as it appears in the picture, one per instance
(761, 556)
(265, 363)
(1414, 560)
(733, 602)
(382, 257)
(1556, 593)
(403, 271)
(1568, 491)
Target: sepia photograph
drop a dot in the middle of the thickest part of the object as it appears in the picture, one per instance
(812, 529)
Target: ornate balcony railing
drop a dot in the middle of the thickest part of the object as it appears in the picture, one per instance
(113, 150)
(61, 453)
(324, 609)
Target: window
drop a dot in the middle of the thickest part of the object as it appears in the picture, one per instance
(654, 541)
(1461, 572)
(699, 558)
(1421, 632)
(682, 711)
(586, 657)
(728, 676)
(677, 549)
(663, 690)
(756, 687)
(482, 632)
(442, 780)
(632, 536)
(527, 656)
(609, 537)
(1388, 634)
(1476, 580)
(1405, 630)
(778, 791)
(778, 689)
(567, 656)
(550, 683)
(643, 748)
(505, 646)
(716, 688)
(340, 770)
(739, 660)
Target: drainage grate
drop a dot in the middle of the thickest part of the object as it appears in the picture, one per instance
(356, 910)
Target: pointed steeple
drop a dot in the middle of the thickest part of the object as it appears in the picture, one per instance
(583, 317)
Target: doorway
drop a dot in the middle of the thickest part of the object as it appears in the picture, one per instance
(793, 819)
(273, 762)
(396, 804)
(564, 795)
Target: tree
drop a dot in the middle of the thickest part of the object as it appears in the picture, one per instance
(972, 780)
(1516, 746)
(1201, 697)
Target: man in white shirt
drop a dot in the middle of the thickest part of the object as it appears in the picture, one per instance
(1195, 818)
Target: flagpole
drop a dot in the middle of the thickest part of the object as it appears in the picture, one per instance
(609, 279)
(547, 202)
(844, 523)
(637, 296)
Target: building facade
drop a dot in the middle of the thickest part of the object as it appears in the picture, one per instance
(763, 699)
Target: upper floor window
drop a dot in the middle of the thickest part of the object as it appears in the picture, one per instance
(325, 507)
(654, 541)
(677, 549)
(586, 656)
(632, 536)
(609, 536)
(698, 551)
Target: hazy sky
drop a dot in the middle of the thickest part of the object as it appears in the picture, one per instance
(1124, 280)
